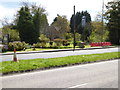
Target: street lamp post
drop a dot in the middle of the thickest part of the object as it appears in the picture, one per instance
(74, 44)
(102, 20)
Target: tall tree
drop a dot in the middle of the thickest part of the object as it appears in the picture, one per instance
(31, 20)
(39, 18)
(113, 17)
(99, 32)
(61, 24)
(25, 26)
(85, 32)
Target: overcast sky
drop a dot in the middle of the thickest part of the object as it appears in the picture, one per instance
(8, 8)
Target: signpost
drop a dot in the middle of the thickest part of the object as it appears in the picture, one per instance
(74, 44)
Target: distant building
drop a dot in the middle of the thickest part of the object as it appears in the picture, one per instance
(52, 32)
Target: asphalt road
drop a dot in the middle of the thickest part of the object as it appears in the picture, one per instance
(57, 54)
(94, 75)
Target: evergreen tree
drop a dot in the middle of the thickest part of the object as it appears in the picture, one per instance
(39, 19)
(25, 25)
(36, 22)
(113, 16)
(72, 24)
(30, 22)
(86, 31)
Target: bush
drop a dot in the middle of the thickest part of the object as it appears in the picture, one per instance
(43, 39)
(65, 43)
(55, 45)
(17, 45)
(37, 45)
(51, 43)
(58, 41)
(40, 45)
(43, 45)
(13, 34)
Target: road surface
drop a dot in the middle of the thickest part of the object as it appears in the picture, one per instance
(94, 75)
(57, 54)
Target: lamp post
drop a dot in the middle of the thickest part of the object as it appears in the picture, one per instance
(102, 20)
(74, 44)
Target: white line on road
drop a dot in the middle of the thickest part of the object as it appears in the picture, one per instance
(56, 69)
(78, 85)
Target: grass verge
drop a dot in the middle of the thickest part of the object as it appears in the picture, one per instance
(27, 65)
(41, 49)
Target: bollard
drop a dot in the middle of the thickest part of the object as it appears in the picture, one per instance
(15, 56)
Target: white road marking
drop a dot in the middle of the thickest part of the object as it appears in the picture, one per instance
(78, 85)
(56, 69)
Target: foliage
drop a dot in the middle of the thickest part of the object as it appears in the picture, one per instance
(84, 31)
(39, 19)
(1, 34)
(17, 45)
(13, 34)
(68, 36)
(77, 36)
(65, 43)
(43, 38)
(61, 24)
(43, 42)
(58, 42)
(40, 45)
(37, 45)
(113, 17)
(99, 32)
(30, 22)
(25, 26)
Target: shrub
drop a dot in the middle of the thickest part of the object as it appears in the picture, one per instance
(13, 34)
(55, 46)
(37, 45)
(58, 41)
(43, 45)
(43, 38)
(17, 45)
(51, 43)
(65, 43)
(40, 45)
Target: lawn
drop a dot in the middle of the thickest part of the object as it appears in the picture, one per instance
(22, 65)
(41, 49)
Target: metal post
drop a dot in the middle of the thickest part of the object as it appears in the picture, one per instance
(74, 31)
(102, 21)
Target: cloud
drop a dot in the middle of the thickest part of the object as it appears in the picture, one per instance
(53, 7)
(7, 13)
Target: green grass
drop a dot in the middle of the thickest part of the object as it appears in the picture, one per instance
(9, 66)
(40, 49)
